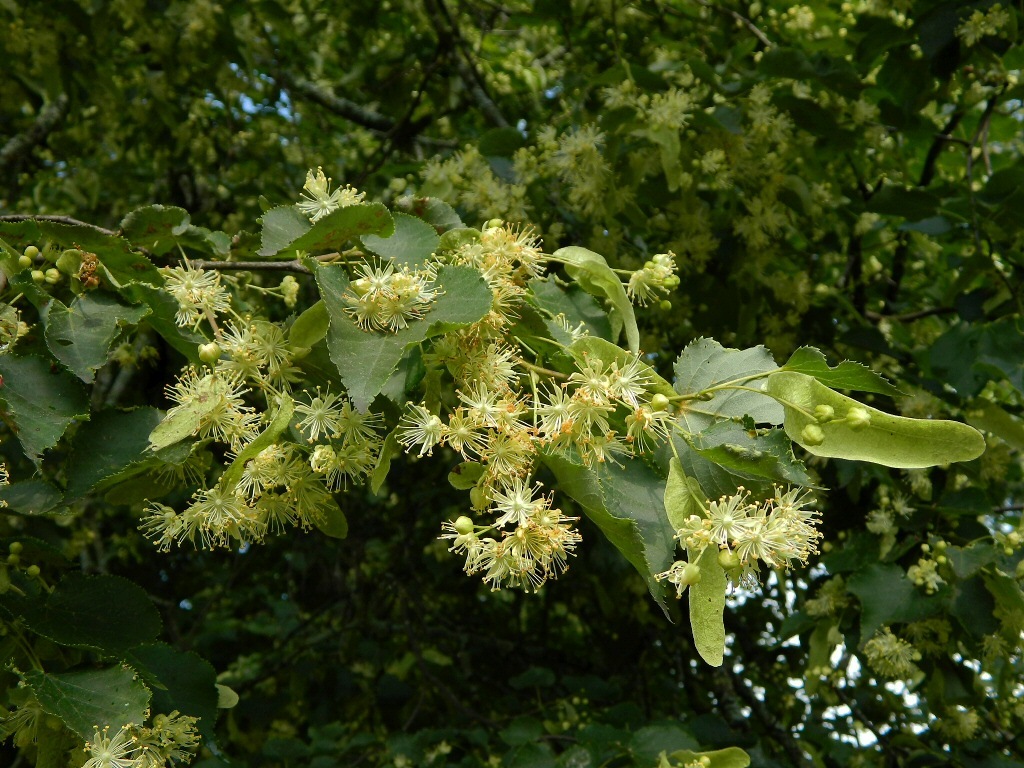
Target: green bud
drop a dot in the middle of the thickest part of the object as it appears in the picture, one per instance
(13, 559)
(38, 275)
(24, 262)
(729, 560)
(691, 575)
(464, 525)
(15, 547)
(665, 305)
(31, 252)
(52, 276)
(32, 571)
(824, 413)
(478, 496)
(858, 418)
(493, 223)
(209, 353)
(659, 402)
(812, 434)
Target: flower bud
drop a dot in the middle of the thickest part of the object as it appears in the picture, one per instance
(824, 413)
(812, 434)
(32, 571)
(659, 402)
(31, 252)
(24, 261)
(691, 575)
(463, 525)
(209, 353)
(729, 560)
(52, 276)
(38, 275)
(858, 418)
(665, 305)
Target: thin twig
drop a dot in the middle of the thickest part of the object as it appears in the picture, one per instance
(256, 266)
(20, 145)
(739, 17)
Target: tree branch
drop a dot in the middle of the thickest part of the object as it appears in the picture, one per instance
(56, 220)
(17, 147)
(255, 266)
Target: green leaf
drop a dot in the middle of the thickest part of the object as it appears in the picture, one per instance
(910, 203)
(282, 226)
(591, 347)
(85, 701)
(705, 364)
(111, 442)
(310, 326)
(707, 606)
(285, 228)
(163, 308)
(412, 243)
(388, 451)
(650, 741)
(263, 440)
(573, 303)
(730, 757)
(80, 335)
(454, 239)
(893, 441)
(989, 417)
(592, 273)
(180, 680)
(847, 375)
(332, 522)
(226, 697)
(749, 458)
(441, 216)
(41, 399)
(628, 504)
(683, 496)
(157, 228)
(107, 613)
(887, 596)
(366, 359)
(466, 475)
(31, 497)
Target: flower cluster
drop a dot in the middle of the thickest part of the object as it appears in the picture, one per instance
(775, 532)
(213, 402)
(890, 656)
(318, 200)
(658, 274)
(385, 299)
(171, 739)
(199, 293)
(354, 443)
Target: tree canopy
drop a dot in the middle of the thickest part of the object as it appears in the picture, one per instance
(509, 382)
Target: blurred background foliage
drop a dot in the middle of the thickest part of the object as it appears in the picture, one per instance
(847, 176)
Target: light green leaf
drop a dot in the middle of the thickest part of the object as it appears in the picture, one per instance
(80, 335)
(707, 606)
(282, 226)
(683, 496)
(846, 375)
(265, 439)
(705, 364)
(339, 227)
(592, 273)
(730, 757)
(591, 348)
(180, 424)
(92, 699)
(41, 400)
(366, 359)
(466, 475)
(108, 445)
(411, 244)
(989, 417)
(226, 697)
(628, 504)
(310, 326)
(454, 239)
(893, 441)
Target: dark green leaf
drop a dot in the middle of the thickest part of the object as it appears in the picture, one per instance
(887, 596)
(180, 680)
(80, 335)
(111, 442)
(157, 228)
(41, 399)
(85, 701)
(31, 497)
